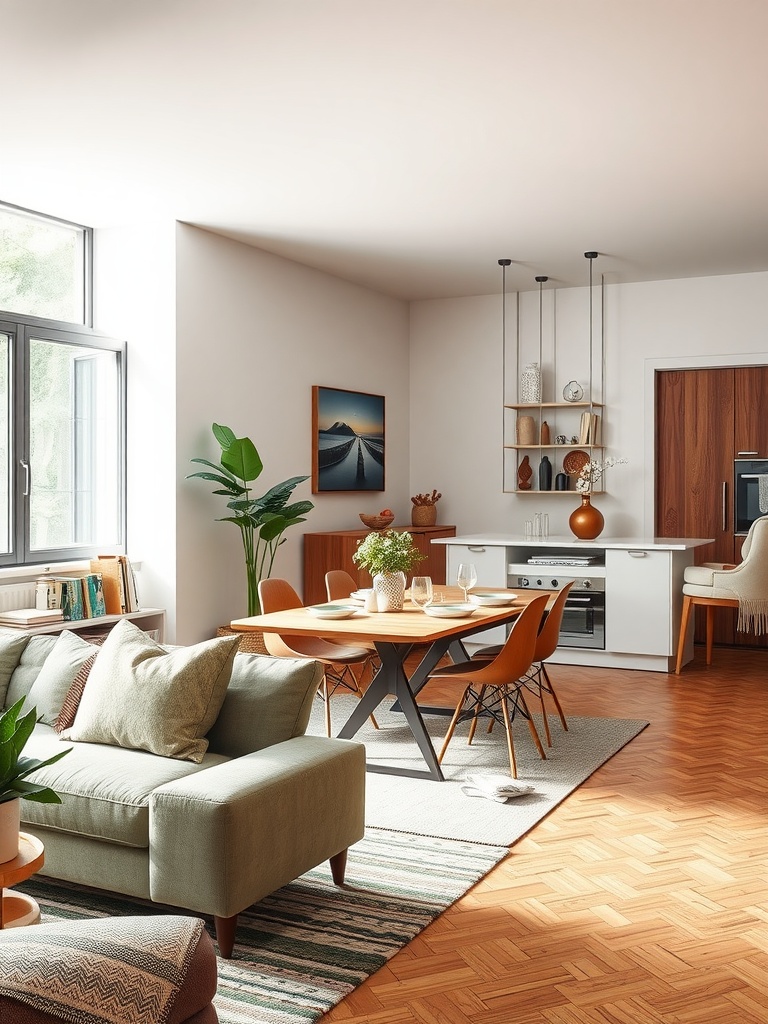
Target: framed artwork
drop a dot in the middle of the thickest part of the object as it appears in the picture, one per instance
(347, 441)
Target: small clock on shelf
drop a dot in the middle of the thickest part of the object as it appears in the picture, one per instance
(573, 391)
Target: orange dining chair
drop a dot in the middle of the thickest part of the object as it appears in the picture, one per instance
(537, 679)
(495, 686)
(277, 595)
(339, 585)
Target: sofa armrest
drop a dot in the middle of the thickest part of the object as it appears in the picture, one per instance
(224, 838)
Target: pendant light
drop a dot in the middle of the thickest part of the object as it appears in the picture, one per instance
(591, 256)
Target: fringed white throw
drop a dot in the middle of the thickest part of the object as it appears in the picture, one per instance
(762, 492)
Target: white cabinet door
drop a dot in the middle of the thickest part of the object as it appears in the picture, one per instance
(638, 601)
(491, 564)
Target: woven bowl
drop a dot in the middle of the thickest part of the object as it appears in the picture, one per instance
(376, 522)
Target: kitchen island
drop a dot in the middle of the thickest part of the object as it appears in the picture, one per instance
(624, 608)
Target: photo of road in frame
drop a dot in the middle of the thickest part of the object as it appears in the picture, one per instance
(347, 441)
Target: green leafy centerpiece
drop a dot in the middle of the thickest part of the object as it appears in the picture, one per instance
(261, 521)
(388, 555)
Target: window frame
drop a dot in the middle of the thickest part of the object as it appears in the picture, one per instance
(20, 331)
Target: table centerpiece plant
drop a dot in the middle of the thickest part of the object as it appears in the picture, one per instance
(15, 730)
(388, 555)
(262, 521)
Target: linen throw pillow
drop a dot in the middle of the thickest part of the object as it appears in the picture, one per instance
(12, 646)
(54, 679)
(142, 696)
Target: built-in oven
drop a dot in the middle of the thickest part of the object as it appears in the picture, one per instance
(583, 622)
(750, 493)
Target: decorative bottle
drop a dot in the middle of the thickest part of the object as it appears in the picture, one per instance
(545, 474)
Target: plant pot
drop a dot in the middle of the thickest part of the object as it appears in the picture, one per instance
(10, 821)
(586, 521)
(423, 515)
(390, 591)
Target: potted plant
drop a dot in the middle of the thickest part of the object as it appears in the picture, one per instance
(388, 555)
(14, 769)
(262, 521)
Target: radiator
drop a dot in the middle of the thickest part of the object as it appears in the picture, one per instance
(17, 595)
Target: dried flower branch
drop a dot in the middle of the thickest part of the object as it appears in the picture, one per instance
(426, 499)
(591, 472)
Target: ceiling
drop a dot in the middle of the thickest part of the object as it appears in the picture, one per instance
(406, 145)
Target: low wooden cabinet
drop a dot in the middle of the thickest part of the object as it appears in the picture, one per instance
(325, 551)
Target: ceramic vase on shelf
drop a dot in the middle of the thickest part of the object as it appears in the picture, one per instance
(530, 384)
(390, 591)
(586, 522)
(545, 474)
(10, 819)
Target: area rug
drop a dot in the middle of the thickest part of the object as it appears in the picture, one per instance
(441, 809)
(305, 947)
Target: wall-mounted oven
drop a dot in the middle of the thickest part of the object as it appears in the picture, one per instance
(750, 493)
(583, 622)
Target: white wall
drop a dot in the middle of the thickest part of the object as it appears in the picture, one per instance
(254, 333)
(457, 387)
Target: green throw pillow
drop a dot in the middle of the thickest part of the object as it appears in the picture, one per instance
(144, 697)
(55, 677)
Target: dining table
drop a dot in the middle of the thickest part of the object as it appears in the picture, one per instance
(394, 635)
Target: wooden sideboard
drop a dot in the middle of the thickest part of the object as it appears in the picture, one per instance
(334, 550)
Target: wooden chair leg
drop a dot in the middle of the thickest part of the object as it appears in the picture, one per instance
(510, 741)
(710, 631)
(473, 727)
(684, 618)
(531, 726)
(551, 690)
(327, 699)
(452, 726)
(538, 689)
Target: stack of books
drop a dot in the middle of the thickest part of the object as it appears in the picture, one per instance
(30, 616)
(108, 589)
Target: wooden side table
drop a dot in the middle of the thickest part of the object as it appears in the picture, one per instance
(16, 908)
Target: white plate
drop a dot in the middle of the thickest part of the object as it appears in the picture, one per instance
(496, 600)
(450, 611)
(359, 595)
(332, 611)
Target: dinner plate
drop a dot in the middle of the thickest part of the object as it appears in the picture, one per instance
(359, 595)
(332, 611)
(497, 600)
(450, 611)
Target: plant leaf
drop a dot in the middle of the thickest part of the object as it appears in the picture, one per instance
(242, 459)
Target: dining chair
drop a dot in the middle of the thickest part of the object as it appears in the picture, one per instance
(495, 686)
(537, 679)
(338, 586)
(277, 595)
(719, 585)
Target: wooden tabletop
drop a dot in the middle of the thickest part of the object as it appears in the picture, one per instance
(29, 860)
(411, 625)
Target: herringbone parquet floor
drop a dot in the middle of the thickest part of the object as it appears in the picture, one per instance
(642, 898)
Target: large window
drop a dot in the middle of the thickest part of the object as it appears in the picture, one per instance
(62, 403)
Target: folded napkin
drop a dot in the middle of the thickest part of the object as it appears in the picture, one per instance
(499, 788)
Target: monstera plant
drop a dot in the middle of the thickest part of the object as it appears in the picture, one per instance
(261, 521)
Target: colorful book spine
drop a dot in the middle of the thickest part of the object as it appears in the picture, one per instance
(94, 590)
(72, 598)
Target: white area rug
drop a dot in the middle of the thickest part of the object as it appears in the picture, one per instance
(440, 809)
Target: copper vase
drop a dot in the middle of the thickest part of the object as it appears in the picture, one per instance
(586, 521)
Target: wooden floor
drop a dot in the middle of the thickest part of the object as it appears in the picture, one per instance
(642, 898)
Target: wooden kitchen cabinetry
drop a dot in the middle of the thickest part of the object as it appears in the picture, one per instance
(704, 419)
(334, 550)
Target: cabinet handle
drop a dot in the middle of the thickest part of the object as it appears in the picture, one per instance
(725, 505)
(637, 554)
(474, 547)
(747, 453)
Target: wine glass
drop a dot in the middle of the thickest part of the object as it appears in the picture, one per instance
(421, 591)
(466, 577)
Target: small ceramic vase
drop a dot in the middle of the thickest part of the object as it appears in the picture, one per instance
(390, 591)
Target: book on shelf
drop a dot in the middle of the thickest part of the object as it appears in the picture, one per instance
(30, 616)
(93, 595)
(47, 593)
(72, 597)
(589, 428)
(118, 583)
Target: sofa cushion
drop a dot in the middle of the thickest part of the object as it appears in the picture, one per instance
(66, 715)
(26, 672)
(268, 700)
(48, 691)
(12, 645)
(141, 696)
(105, 790)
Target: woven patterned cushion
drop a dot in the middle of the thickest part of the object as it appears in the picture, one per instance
(108, 971)
(142, 696)
(75, 692)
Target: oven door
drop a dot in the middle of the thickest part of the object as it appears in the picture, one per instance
(583, 622)
(749, 476)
